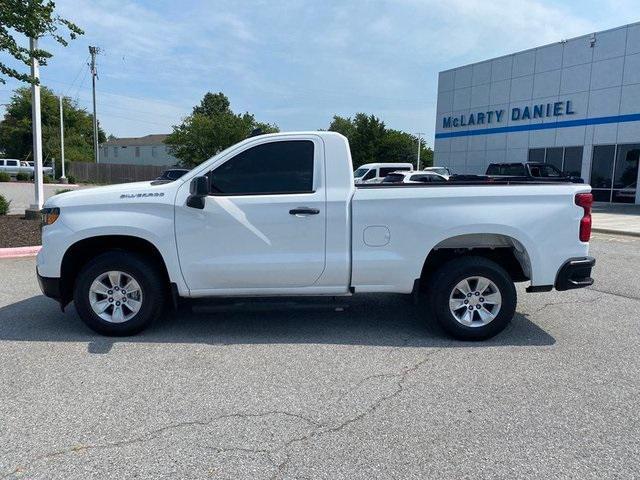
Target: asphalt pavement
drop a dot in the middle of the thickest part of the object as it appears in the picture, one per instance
(366, 390)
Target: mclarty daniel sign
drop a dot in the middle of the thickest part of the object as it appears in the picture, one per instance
(528, 112)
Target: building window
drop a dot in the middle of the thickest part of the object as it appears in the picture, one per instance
(115, 152)
(137, 152)
(565, 159)
(536, 155)
(573, 161)
(554, 157)
(106, 152)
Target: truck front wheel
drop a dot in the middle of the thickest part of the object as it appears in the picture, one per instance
(472, 298)
(118, 293)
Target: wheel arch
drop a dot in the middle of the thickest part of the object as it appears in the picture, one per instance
(79, 253)
(504, 249)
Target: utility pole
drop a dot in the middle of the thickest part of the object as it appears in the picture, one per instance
(63, 178)
(94, 73)
(419, 134)
(36, 127)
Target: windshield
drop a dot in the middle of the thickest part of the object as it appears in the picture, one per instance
(360, 172)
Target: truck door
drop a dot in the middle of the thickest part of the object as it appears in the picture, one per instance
(264, 223)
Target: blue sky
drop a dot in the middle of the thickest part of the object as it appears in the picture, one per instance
(296, 63)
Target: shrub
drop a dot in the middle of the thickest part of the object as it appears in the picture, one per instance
(5, 177)
(4, 205)
(47, 179)
(63, 190)
(71, 179)
(23, 177)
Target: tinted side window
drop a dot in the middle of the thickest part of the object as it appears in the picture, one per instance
(270, 168)
(12, 163)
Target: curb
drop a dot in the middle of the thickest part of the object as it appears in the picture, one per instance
(612, 231)
(18, 252)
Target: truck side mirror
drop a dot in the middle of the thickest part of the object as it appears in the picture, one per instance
(199, 190)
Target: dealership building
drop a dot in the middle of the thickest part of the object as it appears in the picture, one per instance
(574, 104)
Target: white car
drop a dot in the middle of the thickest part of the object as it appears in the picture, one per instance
(375, 172)
(279, 214)
(414, 177)
(443, 171)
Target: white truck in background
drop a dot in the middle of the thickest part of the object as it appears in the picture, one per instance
(13, 167)
(280, 215)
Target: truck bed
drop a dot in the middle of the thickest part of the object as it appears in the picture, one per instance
(541, 219)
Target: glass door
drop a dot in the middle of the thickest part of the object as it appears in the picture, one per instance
(614, 173)
(625, 177)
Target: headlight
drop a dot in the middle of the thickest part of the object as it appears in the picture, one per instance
(49, 215)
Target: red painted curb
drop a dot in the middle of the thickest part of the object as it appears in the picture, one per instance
(17, 252)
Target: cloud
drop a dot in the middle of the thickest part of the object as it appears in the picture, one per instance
(298, 63)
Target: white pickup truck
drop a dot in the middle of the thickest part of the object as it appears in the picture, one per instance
(13, 167)
(280, 215)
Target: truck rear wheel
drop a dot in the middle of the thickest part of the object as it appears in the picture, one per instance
(472, 298)
(118, 293)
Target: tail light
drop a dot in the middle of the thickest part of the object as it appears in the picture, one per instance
(585, 200)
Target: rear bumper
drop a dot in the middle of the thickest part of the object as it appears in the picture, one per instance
(575, 273)
(49, 286)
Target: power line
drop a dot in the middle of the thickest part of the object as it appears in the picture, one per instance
(84, 77)
(83, 65)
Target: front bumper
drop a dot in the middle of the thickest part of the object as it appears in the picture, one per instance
(49, 286)
(575, 273)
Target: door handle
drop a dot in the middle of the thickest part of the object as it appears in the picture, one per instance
(304, 211)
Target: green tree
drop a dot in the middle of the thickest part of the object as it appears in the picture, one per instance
(372, 142)
(29, 19)
(211, 127)
(15, 128)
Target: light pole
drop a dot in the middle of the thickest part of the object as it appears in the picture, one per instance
(63, 178)
(419, 134)
(36, 127)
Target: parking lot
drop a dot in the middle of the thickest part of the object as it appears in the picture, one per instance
(257, 390)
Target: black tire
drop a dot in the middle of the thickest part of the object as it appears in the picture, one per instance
(443, 281)
(143, 271)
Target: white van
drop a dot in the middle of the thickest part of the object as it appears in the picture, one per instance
(375, 172)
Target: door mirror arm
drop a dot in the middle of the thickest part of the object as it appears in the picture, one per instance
(198, 191)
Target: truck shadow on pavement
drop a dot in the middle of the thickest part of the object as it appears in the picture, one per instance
(370, 320)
